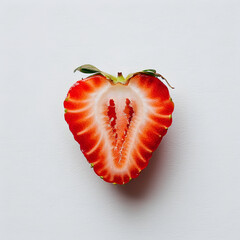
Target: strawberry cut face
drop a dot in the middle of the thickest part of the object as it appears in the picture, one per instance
(118, 126)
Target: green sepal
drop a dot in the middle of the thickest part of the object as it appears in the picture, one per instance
(87, 68)
(90, 69)
(149, 73)
(149, 70)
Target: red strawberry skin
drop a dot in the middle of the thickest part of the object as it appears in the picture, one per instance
(118, 126)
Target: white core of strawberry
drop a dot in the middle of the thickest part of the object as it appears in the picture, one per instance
(121, 99)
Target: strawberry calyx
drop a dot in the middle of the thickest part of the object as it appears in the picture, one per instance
(90, 69)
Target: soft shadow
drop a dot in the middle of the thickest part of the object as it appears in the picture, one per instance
(140, 187)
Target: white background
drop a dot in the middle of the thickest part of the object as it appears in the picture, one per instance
(190, 190)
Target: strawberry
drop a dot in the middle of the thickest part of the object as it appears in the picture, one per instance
(118, 121)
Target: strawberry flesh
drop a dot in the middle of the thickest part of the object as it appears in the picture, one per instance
(118, 126)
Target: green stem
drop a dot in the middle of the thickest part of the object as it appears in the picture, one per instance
(119, 79)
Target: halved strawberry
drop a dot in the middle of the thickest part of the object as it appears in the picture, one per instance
(118, 122)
